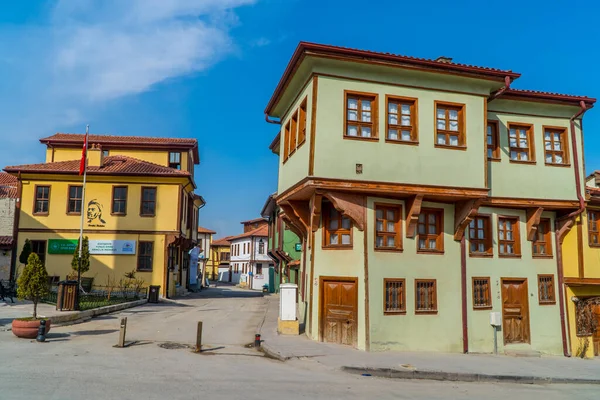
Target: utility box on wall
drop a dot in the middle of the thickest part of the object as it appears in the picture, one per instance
(495, 319)
(288, 323)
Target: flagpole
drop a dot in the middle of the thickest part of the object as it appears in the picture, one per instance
(87, 131)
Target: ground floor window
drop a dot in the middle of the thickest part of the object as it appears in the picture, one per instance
(425, 296)
(395, 296)
(39, 247)
(145, 253)
(482, 294)
(258, 269)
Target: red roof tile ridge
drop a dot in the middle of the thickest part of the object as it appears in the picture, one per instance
(78, 137)
(553, 94)
(261, 231)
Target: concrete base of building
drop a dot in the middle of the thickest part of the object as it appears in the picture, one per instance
(288, 327)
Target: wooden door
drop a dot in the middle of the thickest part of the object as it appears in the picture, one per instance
(596, 336)
(515, 311)
(339, 322)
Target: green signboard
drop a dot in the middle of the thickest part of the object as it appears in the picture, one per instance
(298, 246)
(62, 246)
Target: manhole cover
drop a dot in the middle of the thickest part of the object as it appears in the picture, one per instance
(173, 346)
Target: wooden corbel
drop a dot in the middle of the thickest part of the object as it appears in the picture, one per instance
(533, 221)
(302, 211)
(294, 227)
(351, 205)
(292, 216)
(315, 211)
(464, 212)
(413, 209)
(563, 228)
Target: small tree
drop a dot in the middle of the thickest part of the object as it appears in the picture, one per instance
(33, 282)
(85, 257)
(25, 252)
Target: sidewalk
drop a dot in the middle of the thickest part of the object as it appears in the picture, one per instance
(435, 366)
(24, 309)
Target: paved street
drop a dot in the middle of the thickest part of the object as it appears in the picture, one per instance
(79, 362)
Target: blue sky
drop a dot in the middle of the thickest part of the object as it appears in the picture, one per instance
(207, 68)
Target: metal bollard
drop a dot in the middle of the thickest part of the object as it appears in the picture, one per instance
(198, 348)
(257, 340)
(122, 332)
(41, 337)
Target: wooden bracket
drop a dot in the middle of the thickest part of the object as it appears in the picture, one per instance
(413, 209)
(563, 228)
(533, 221)
(351, 205)
(464, 212)
(302, 211)
(315, 211)
(292, 212)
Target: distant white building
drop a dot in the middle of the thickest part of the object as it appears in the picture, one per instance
(250, 263)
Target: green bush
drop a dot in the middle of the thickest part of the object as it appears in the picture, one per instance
(33, 282)
(85, 257)
(24, 256)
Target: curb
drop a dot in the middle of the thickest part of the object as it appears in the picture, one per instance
(465, 377)
(270, 353)
(71, 319)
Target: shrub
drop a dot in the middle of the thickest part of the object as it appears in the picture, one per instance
(85, 257)
(24, 256)
(33, 282)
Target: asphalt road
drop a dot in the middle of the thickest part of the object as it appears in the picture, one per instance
(80, 362)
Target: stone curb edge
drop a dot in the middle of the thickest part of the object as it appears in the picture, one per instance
(85, 315)
(464, 377)
(269, 352)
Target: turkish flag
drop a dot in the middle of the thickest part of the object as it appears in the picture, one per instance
(83, 155)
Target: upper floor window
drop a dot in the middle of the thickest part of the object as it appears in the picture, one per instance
(261, 247)
(520, 143)
(293, 133)
(449, 127)
(401, 120)
(594, 228)
(119, 200)
(175, 160)
(361, 115)
(555, 146)
(225, 256)
(286, 142)
(430, 228)
(338, 228)
(493, 141)
(387, 227)
(480, 236)
(542, 244)
(509, 243)
(74, 202)
(148, 204)
(105, 153)
(302, 123)
(42, 200)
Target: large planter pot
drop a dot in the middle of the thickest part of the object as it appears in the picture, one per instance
(28, 328)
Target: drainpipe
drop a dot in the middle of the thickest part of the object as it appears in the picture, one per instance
(498, 93)
(559, 261)
(271, 121)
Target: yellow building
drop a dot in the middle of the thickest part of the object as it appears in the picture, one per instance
(220, 254)
(140, 212)
(206, 262)
(581, 253)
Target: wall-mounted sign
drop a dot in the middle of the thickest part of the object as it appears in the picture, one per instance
(112, 247)
(62, 246)
(298, 246)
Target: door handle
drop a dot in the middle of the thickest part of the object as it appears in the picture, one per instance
(348, 322)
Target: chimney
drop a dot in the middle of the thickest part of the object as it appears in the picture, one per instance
(444, 59)
(95, 156)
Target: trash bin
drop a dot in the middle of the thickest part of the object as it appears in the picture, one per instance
(67, 292)
(153, 292)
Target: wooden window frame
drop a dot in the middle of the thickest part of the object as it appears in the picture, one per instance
(293, 132)
(112, 200)
(69, 198)
(386, 310)
(397, 208)
(596, 223)
(495, 145)
(142, 201)
(339, 231)
(439, 212)
(302, 122)
(414, 119)
(45, 246)
(488, 305)
(564, 141)
(374, 124)
(516, 236)
(286, 142)
(35, 199)
(140, 255)
(259, 269)
(487, 240)
(530, 138)
(552, 300)
(461, 133)
(180, 158)
(547, 239)
(435, 302)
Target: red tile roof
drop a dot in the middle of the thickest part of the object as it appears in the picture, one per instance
(6, 241)
(8, 186)
(251, 221)
(113, 165)
(222, 242)
(262, 231)
(349, 53)
(7, 179)
(205, 230)
(8, 192)
(535, 94)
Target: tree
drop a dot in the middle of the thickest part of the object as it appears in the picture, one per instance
(33, 282)
(85, 257)
(25, 252)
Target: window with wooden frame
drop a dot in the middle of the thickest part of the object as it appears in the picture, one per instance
(480, 236)
(388, 235)
(148, 203)
(449, 125)
(593, 228)
(520, 143)
(302, 123)
(430, 231)
(482, 293)
(175, 160)
(259, 269)
(360, 115)
(338, 228)
(145, 255)
(286, 142)
(39, 247)
(493, 141)
(394, 291)
(41, 204)
(556, 146)
(425, 296)
(509, 242)
(546, 289)
(542, 243)
(74, 202)
(401, 121)
(293, 132)
(119, 200)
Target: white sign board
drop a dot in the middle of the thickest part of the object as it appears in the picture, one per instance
(112, 247)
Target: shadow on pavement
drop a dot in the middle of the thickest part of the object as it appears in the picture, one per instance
(95, 332)
(226, 292)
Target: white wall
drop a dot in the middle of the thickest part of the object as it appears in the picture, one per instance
(7, 216)
(5, 264)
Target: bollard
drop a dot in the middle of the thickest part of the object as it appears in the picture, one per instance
(257, 340)
(198, 348)
(41, 337)
(122, 332)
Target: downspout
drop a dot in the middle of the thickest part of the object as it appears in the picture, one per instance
(559, 261)
(271, 121)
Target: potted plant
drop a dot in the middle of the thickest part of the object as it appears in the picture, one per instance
(32, 285)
